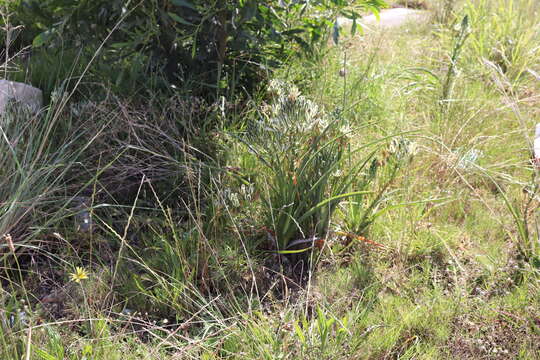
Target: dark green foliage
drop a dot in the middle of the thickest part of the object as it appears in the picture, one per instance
(210, 47)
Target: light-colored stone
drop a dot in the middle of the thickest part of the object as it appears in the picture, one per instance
(22, 94)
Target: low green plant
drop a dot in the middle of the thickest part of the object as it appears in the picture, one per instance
(359, 211)
(12, 320)
(322, 334)
(525, 222)
(522, 210)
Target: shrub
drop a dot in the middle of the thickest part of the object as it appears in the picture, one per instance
(211, 45)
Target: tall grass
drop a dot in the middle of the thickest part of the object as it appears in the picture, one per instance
(522, 210)
(36, 167)
(505, 33)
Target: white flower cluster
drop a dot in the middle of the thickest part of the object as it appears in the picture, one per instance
(227, 197)
(403, 148)
(290, 111)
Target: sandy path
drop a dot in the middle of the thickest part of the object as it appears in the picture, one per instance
(390, 18)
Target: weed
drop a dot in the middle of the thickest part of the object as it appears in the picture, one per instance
(448, 84)
(504, 34)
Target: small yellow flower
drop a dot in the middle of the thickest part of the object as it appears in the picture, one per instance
(79, 274)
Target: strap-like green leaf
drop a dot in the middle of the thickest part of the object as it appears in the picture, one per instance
(183, 3)
(179, 19)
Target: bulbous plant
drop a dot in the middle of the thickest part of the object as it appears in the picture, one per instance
(308, 168)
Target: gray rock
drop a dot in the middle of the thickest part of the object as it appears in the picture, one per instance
(21, 94)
